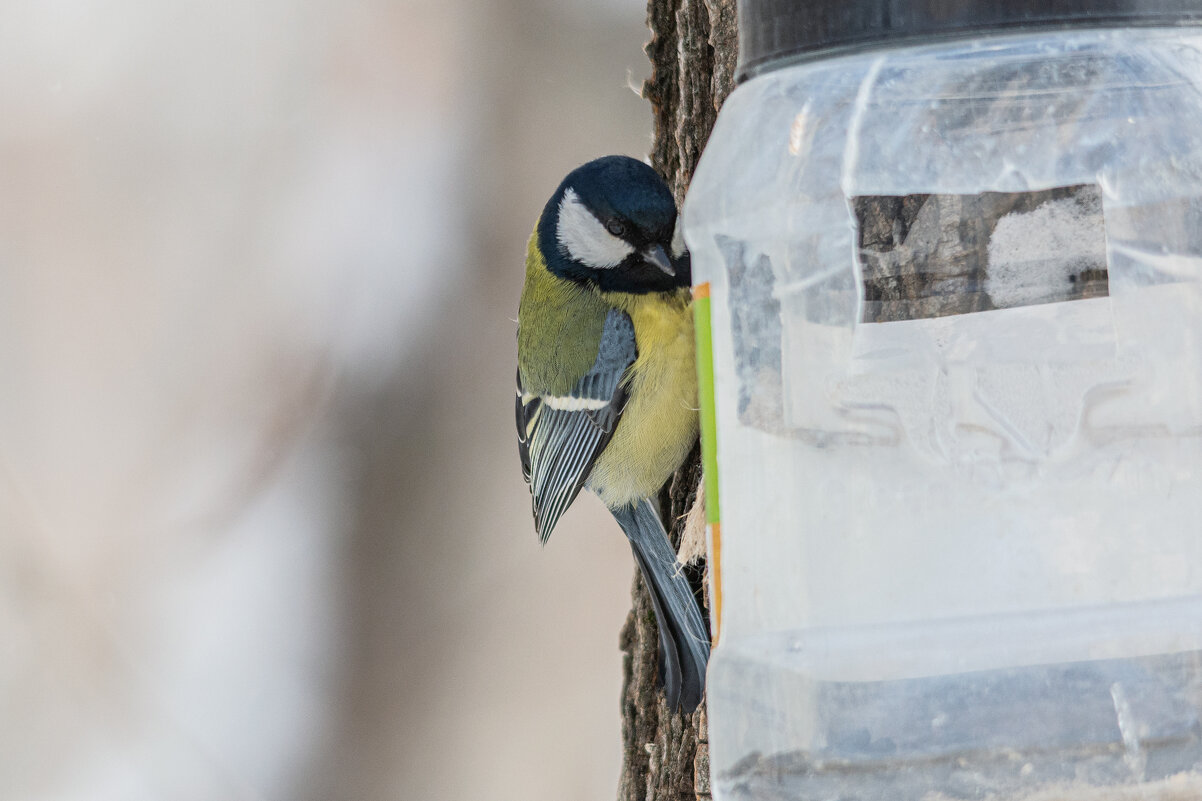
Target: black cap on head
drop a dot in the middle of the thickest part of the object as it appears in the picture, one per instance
(611, 224)
(620, 186)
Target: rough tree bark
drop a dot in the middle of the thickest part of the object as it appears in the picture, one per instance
(692, 52)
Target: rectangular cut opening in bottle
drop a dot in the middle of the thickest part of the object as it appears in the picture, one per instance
(931, 255)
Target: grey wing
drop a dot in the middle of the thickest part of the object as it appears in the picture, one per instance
(559, 437)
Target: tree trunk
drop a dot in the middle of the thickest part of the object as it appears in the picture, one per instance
(692, 52)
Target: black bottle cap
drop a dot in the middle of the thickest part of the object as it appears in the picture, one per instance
(773, 33)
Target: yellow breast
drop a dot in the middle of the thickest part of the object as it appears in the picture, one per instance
(659, 425)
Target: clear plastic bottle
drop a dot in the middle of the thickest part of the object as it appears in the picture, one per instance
(956, 293)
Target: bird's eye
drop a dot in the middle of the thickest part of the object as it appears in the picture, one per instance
(615, 227)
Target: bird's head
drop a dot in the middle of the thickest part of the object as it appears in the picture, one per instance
(612, 224)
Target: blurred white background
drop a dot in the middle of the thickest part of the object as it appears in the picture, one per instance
(263, 533)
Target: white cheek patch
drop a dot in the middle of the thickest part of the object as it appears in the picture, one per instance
(584, 237)
(677, 240)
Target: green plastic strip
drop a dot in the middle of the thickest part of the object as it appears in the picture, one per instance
(705, 386)
(709, 447)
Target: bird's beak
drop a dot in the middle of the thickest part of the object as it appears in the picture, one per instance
(657, 256)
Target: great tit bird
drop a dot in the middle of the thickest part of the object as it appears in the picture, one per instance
(607, 383)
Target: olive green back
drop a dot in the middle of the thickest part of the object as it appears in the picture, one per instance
(559, 328)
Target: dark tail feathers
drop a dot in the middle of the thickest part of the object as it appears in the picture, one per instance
(684, 645)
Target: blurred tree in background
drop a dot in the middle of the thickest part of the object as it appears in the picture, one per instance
(263, 531)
